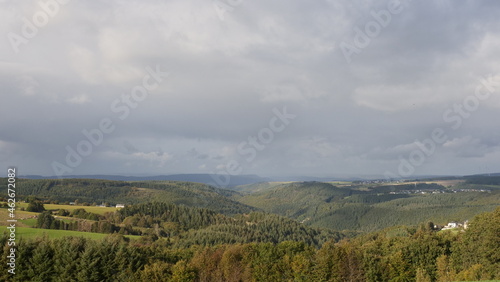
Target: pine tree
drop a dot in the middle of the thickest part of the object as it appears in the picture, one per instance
(41, 264)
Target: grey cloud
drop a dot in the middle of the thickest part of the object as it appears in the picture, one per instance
(129, 147)
(227, 76)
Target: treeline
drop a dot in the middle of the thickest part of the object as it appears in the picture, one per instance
(439, 208)
(369, 208)
(68, 190)
(259, 227)
(205, 227)
(483, 180)
(92, 191)
(184, 226)
(46, 220)
(148, 214)
(84, 222)
(395, 254)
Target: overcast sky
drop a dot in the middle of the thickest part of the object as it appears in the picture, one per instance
(281, 87)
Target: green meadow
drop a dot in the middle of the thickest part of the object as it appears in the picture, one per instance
(92, 209)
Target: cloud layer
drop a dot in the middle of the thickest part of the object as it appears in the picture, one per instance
(231, 69)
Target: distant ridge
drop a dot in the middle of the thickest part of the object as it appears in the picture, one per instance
(483, 174)
(225, 181)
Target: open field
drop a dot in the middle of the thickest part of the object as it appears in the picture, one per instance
(20, 215)
(26, 220)
(446, 183)
(31, 222)
(92, 209)
(26, 232)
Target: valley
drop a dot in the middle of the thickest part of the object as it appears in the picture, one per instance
(263, 231)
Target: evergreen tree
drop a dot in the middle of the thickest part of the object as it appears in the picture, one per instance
(45, 220)
(35, 206)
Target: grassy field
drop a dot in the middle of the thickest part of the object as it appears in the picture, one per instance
(26, 232)
(26, 220)
(20, 216)
(446, 183)
(92, 209)
(31, 222)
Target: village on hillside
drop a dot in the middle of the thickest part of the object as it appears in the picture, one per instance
(453, 225)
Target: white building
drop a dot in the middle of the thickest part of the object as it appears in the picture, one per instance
(452, 225)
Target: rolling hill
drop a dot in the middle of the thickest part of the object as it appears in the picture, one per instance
(374, 206)
(97, 191)
(356, 206)
(209, 179)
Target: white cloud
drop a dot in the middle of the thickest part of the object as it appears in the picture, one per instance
(79, 99)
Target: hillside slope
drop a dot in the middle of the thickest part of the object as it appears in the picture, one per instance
(94, 191)
(374, 207)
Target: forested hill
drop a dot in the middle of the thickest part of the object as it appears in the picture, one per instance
(395, 254)
(210, 179)
(369, 207)
(96, 191)
(485, 180)
(355, 206)
(186, 226)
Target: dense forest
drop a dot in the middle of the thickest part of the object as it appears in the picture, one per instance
(184, 226)
(485, 180)
(393, 254)
(97, 191)
(294, 231)
(371, 207)
(352, 206)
